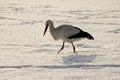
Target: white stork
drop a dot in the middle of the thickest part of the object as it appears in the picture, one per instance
(67, 33)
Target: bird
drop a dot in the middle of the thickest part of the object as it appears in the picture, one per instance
(67, 33)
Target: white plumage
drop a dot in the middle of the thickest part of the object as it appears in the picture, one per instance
(67, 33)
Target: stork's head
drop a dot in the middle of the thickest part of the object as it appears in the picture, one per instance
(47, 23)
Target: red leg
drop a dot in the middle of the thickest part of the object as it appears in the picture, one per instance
(61, 47)
(73, 47)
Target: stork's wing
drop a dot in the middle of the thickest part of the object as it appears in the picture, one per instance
(68, 30)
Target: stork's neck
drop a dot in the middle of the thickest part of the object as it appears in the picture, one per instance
(53, 31)
(52, 28)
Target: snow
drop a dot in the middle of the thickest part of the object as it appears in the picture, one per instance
(26, 55)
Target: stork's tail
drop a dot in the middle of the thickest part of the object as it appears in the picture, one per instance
(88, 36)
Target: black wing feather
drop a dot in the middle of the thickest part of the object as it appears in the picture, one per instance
(81, 34)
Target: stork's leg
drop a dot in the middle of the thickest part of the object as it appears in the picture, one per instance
(61, 47)
(73, 47)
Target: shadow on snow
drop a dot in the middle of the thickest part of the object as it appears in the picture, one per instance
(79, 59)
(69, 62)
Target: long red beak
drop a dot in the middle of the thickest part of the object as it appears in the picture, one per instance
(45, 29)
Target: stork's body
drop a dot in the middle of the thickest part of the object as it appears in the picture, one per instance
(67, 33)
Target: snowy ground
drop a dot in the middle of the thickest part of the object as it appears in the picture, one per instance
(26, 55)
